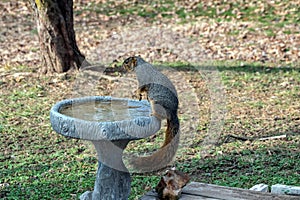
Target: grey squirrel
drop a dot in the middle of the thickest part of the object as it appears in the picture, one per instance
(162, 96)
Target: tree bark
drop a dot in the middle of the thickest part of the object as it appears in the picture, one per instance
(56, 33)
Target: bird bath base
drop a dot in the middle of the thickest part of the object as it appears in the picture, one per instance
(110, 183)
(110, 124)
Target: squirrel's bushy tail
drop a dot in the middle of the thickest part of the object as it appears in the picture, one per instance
(163, 156)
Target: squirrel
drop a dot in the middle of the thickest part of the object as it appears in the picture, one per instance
(171, 184)
(162, 95)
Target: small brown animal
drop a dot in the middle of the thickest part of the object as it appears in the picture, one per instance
(162, 96)
(171, 184)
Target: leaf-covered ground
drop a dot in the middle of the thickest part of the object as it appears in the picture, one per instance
(235, 65)
(265, 31)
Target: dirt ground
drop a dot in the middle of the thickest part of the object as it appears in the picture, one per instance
(106, 38)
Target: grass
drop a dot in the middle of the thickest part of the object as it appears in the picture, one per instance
(247, 167)
(266, 13)
(261, 100)
(34, 158)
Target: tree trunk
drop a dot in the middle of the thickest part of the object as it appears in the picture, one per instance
(55, 27)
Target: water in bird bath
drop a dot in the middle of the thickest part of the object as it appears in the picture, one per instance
(106, 110)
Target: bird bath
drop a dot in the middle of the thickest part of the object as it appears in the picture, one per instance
(110, 124)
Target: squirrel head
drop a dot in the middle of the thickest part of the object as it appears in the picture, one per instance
(131, 63)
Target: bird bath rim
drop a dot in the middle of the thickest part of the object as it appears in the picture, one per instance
(129, 129)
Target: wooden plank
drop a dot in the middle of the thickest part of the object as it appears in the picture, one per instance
(221, 192)
(202, 191)
(153, 196)
(193, 197)
(149, 196)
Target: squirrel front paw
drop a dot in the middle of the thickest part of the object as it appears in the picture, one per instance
(137, 95)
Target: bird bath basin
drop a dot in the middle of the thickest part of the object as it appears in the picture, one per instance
(110, 124)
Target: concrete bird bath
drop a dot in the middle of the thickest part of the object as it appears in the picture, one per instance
(109, 123)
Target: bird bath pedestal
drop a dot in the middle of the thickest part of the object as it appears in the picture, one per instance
(109, 123)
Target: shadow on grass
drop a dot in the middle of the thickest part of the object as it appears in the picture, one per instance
(248, 68)
(260, 69)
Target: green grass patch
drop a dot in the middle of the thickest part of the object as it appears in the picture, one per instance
(246, 168)
(37, 163)
(140, 184)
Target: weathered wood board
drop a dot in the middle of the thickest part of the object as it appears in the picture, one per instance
(202, 191)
